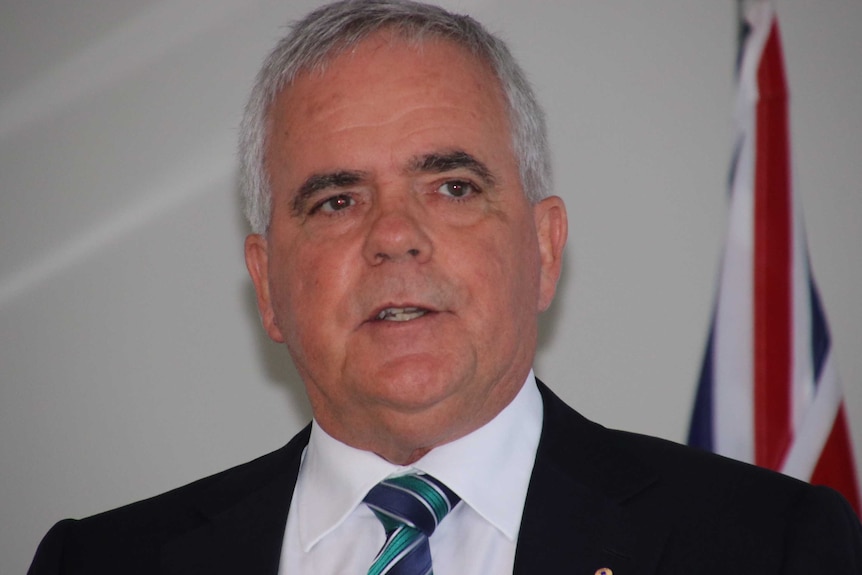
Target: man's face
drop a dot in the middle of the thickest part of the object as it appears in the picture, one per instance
(403, 267)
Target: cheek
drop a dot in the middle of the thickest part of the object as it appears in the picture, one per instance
(314, 289)
(301, 303)
(500, 272)
(288, 285)
(517, 268)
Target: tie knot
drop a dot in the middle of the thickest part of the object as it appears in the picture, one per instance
(419, 501)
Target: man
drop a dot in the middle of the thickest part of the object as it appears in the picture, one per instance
(396, 180)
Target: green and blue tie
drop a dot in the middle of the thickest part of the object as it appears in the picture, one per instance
(410, 507)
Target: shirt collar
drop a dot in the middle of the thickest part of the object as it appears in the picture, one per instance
(489, 469)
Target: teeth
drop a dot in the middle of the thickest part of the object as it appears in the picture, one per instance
(401, 313)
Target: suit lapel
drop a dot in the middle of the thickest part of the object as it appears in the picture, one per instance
(243, 528)
(576, 517)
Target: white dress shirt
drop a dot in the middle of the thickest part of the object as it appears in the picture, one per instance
(330, 531)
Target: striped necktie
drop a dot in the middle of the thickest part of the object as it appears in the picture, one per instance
(410, 507)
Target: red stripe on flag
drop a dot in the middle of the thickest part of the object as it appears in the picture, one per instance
(835, 466)
(773, 288)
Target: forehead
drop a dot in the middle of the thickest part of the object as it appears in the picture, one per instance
(385, 77)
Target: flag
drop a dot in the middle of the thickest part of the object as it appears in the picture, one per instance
(769, 393)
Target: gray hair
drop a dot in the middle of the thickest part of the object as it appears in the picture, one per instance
(330, 30)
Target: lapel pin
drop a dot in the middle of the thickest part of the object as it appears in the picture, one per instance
(604, 571)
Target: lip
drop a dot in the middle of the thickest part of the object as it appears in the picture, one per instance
(373, 317)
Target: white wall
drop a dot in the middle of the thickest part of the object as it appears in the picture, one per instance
(131, 360)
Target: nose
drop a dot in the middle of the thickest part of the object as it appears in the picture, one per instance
(396, 233)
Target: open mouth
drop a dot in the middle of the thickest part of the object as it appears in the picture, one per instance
(400, 313)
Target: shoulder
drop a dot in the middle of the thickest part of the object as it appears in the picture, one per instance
(725, 510)
(714, 510)
(134, 532)
(644, 471)
(180, 506)
(608, 458)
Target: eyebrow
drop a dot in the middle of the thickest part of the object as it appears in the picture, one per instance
(438, 163)
(324, 181)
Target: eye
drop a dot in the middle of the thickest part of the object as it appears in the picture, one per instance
(457, 189)
(334, 204)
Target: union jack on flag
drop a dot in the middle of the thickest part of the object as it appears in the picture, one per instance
(768, 391)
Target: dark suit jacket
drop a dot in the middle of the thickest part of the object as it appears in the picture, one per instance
(597, 498)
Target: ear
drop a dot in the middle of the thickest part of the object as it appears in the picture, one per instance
(552, 228)
(257, 262)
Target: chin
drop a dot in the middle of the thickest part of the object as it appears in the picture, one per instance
(415, 383)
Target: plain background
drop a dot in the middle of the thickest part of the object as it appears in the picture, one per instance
(131, 358)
